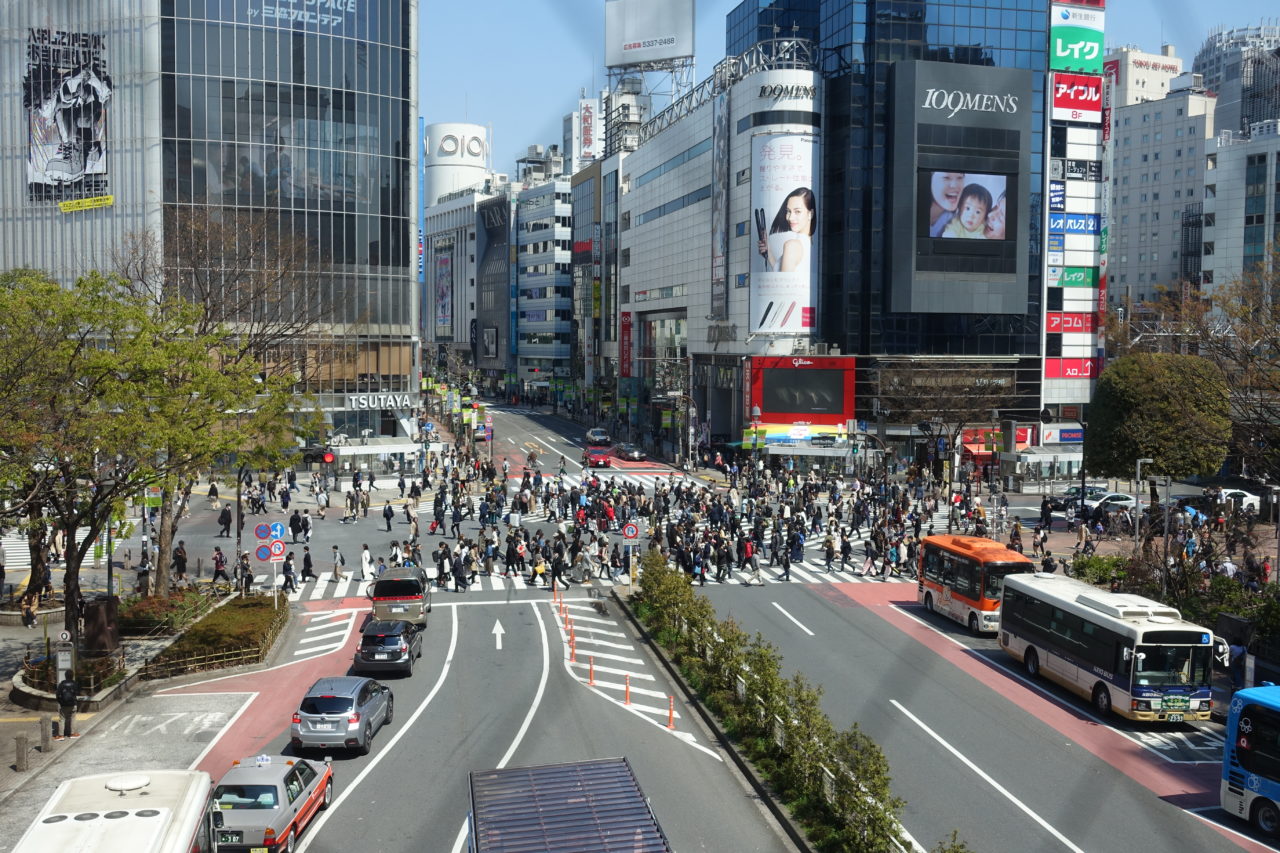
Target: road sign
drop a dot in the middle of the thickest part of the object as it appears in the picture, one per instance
(430, 427)
(277, 547)
(488, 420)
(64, 636)
(263, 552)
(277, 530)
(262, 531)
(630, 531)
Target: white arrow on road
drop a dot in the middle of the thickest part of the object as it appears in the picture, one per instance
(497, 634)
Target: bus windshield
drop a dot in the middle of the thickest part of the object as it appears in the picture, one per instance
(1172, 665)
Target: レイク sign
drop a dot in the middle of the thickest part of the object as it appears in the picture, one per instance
(1075, 39)
(1077, 97)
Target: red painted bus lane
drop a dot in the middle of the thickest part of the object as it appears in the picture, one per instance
(1187, 786)
(278, 690)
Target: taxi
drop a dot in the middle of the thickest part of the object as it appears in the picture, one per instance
(263, 803)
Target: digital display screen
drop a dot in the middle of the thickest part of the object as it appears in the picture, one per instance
(966, 205)
(802, 391)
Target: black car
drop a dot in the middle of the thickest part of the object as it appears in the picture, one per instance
(388, 644)
(629, 452)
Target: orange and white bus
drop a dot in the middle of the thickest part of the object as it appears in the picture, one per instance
(963, 577)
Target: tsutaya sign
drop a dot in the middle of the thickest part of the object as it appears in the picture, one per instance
(378, 401)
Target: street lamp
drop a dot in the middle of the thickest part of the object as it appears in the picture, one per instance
(1137, 511)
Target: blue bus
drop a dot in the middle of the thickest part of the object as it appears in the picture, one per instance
(1251, 758)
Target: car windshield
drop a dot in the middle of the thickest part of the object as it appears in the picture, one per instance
(326, 705)
(245, 796)
(402, 588)
(1166, 665)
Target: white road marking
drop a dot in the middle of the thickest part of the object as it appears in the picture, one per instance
(792, 618)
(984, 776)
(461, 840)
(328, 636)
(388, 748)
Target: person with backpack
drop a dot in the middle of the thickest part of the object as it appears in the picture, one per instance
(67, 693)
(219, 565)
(338, 562)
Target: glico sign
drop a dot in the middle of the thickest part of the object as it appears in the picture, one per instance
(816, 390)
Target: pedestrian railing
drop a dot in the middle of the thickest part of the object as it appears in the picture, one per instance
(94, 671)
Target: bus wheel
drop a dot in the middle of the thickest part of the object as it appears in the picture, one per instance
(1031, 663)
(1266, 816)
(1102, 700)
(973, 624)
(928, 601)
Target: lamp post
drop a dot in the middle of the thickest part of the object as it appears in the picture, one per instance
(1137, 511)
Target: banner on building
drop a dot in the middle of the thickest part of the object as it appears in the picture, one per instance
(624, 344)
(588, 122)
(720, 136)
(442, 278)
(1057, 196)
(64, 96)
(784, 231)
(1077, 97)
(1075, 39)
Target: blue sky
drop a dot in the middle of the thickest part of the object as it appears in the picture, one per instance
(518, 65)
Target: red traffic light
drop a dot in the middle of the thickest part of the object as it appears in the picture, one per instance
(328, 457)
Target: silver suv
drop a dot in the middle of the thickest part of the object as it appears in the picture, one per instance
(388, 644)
(341, 712)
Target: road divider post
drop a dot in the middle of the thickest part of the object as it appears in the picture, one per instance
(671, 712)
(591, 673)
(627, 701)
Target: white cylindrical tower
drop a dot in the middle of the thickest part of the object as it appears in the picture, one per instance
(456, 156)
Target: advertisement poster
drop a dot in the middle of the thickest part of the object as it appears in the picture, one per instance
(784, 225)
(624, 344)
(967, 205)
(720, 136)
(1075, 39)
(1057, 196)
(64, 96)
(442, 279)
(1077, 97)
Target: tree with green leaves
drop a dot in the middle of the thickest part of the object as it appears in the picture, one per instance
(1172, 408)
(115, 397)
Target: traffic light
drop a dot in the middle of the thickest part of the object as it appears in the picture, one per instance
(318, 455)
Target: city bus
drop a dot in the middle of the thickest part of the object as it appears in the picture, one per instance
(962, 577)
(1123, 652)
(1250, 787)
(159, 811)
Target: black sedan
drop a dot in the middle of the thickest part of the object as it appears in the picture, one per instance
(629, 452)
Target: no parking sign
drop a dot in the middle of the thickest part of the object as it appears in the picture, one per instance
(630, 530)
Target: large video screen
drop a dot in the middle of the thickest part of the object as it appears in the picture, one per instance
(965, 205)
(802, 391)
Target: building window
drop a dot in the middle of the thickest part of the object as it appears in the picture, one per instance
(1155, 196)
(740, 230)
(626, 257)
(740, 280)
(1179, 112)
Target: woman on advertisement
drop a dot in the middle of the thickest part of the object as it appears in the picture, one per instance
(787, 247)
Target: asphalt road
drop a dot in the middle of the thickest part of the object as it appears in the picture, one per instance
(975, 748)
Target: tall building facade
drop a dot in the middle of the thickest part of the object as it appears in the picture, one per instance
(1157, 174)
(1137, 76)
(753, 21)
(868, 46)
(544, 288)
(1241, 221)
(145, 116)
(1221, 57)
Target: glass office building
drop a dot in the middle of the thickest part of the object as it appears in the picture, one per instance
(753, 21)
(863, 42)
(289, 119)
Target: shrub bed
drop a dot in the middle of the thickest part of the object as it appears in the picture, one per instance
(241, 631)
(157, 615)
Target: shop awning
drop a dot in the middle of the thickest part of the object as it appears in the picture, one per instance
(980, 453)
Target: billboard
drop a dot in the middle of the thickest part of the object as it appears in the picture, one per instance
(442, 287)
(65, 94)
(964, 205)
(960, 166)
(589, 137)
(1075, 39)
(637, 31)
(814, 390)
(1073, 223)
(720, 135)
(1077, 97)
(1057, 196)
(784, 223)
